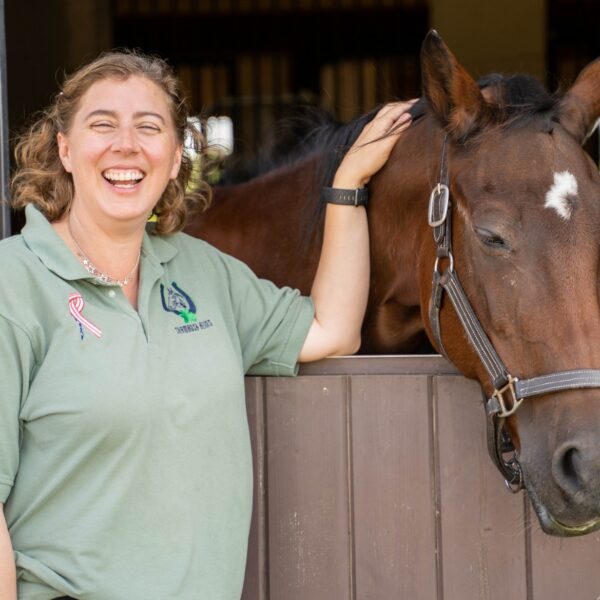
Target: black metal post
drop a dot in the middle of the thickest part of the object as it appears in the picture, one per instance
(4, 152)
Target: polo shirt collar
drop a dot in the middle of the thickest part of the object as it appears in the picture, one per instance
(47, 245)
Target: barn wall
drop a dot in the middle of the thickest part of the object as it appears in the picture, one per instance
(512, 39)
(372, 481)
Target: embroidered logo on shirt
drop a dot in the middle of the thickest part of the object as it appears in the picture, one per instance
(76, 305)
(180, 303)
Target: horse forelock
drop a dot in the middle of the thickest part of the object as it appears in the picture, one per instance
(514, 102)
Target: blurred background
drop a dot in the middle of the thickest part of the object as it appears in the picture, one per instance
(253, 61)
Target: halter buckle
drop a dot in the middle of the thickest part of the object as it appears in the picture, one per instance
(439, 198)
(515, 402)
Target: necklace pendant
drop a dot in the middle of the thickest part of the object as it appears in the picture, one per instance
(99, 275)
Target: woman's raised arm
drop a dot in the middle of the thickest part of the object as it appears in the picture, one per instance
(341, 285)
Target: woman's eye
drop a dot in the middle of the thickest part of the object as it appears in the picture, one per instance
(149, 127)
(102, 125)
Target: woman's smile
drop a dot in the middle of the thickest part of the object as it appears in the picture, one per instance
(123, 179)
(121, 150)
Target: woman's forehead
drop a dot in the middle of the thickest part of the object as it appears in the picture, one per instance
(136, 94)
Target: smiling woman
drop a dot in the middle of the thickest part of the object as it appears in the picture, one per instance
(121, 151)
(125, 463)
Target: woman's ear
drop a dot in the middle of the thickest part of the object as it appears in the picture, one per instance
(177, 162)
(64, 151)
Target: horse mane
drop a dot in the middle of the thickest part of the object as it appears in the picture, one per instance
(294, 139)
(517, 101)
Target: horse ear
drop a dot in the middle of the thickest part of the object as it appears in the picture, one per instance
(580, 107)
(450, 91)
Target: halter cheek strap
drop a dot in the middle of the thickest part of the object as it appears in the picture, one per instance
(509, 391)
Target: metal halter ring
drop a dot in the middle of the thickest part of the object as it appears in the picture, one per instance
(516, 485)
(437, 263)
(442, 192)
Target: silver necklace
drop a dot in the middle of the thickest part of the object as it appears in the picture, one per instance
(91, 268)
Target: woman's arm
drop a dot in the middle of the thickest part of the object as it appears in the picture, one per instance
(341, 285)
(8, 572)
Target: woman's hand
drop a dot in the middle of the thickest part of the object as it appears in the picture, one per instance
(373, 146)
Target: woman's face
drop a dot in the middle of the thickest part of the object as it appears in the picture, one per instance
(121, 151)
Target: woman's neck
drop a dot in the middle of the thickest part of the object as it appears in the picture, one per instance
(112, 254)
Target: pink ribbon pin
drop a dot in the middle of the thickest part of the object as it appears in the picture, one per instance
(76, 305)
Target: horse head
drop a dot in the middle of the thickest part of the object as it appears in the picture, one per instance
(524, 242)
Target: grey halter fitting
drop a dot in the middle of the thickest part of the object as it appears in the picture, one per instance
(509, 391)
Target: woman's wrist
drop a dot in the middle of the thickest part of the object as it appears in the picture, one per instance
(349, 181)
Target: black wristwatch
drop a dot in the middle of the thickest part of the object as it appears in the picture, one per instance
(357, 197)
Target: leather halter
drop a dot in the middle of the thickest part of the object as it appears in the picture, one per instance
(509, 391)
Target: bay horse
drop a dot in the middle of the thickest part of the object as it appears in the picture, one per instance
(490, 185)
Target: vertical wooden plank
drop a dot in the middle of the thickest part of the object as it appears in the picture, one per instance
(265, 107)
(482, 524)
(245, 75)
(184, 7)
(349, 89)
(186, 76)
(394, 512)
(207, 85)
(564, 568)
(256, 579)
(327, 83)
(307, 488)
(369, 85)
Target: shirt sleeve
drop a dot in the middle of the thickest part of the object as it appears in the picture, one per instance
(272, 322)
(16, 363)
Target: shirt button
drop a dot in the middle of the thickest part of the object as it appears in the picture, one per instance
(112, 293)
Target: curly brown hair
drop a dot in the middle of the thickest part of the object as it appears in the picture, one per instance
(40, 178)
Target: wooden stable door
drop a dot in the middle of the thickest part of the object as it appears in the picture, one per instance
(373, 482)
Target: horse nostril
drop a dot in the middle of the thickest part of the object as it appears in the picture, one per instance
(567, 469)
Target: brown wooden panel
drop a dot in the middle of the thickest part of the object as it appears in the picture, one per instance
(482, 524)
(394, 512)
(432, 364)
(256, 582)
(564, 568)
(307, 478)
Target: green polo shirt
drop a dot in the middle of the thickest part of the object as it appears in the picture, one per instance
(125, 460)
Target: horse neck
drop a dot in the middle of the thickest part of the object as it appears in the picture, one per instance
(400, 234)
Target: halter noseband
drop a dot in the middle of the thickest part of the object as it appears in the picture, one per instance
(509, 391)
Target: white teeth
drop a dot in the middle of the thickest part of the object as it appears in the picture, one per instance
(128, 176)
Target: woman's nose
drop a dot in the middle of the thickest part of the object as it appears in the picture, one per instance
(125, 141)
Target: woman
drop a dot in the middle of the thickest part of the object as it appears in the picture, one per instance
(125, 463)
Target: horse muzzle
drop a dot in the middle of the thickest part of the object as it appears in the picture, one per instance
(564, 484)
(552, 526)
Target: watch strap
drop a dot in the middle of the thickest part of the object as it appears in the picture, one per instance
(355, 197)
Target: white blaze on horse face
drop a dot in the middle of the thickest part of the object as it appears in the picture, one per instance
(560, 194)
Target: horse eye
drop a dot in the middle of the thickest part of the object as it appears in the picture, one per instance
(491, 239)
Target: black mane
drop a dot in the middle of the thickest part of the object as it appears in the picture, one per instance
(520, 100)
(296, 138)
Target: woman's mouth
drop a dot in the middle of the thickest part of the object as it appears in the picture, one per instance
(123, 178)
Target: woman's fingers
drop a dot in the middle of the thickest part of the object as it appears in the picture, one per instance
(373, 146)
(390, 117)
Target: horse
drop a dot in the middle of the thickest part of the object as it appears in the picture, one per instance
(485, 242)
